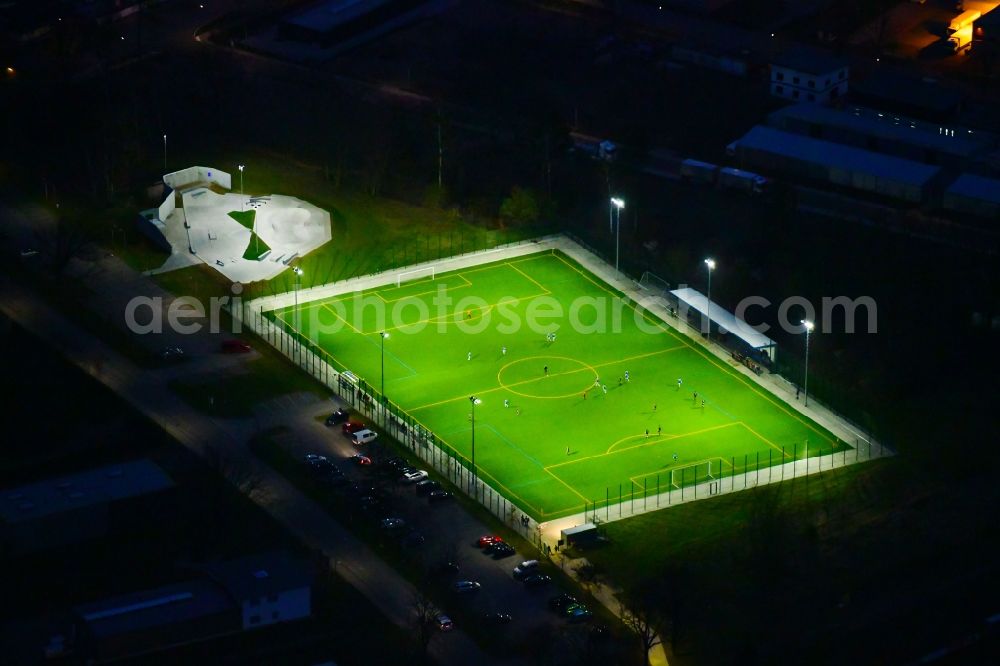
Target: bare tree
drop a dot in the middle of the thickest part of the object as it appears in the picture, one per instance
(424, 621)
(640, 614)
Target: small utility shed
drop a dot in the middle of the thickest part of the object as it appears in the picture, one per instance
(580, 535)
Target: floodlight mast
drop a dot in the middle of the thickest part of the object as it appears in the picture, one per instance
(808, 326)
(383, 335)
(617, 204)
(710, 264)
(298, 316)
(474, 401)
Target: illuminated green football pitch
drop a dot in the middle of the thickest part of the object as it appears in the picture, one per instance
(558, 427)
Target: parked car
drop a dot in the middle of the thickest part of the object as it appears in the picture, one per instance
(525, 568)
(497, 618)
(392, 523)
(172, 353)
(360, 460)
(413, 477)
(339, 416)
(500, 544)
(577, 613)
(559, 602)
(321, 466)
(309, 457)
(444, 622)
(466, 586)
(487, 540)
(363, 437)
(236, 347)
(536, 580)
(395, 462)
(351, 427)
(439, 496)
(502, 550)
(426, 486)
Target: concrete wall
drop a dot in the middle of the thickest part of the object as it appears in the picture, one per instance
(167, 207)
(198, 174)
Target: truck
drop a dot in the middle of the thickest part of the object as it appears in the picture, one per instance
(744, 181)
(960, 39)
(694, 171)
(963, 20)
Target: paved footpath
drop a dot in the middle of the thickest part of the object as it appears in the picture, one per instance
(147, 391)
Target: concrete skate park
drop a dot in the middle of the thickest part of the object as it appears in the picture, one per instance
(202, 221)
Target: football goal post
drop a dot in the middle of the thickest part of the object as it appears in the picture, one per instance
(416, 274)
(689, 475)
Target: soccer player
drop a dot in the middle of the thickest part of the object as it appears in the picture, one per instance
(703, 404)
(675, 457)
(654, 406)
(647, 432)
(619, 381)
(545, 371)
(468, 357)
(627, 380)
(696, 396)
(597, 381)
(679, 382)
(605, 387)
(659, 430)
(506, 402)
(503, 350)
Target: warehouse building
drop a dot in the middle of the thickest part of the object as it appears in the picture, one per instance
(975, 195)
(777, 152)
(68, 509)
(862, 128)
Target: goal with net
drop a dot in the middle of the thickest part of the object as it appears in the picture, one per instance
(695, 473)
(427, 272)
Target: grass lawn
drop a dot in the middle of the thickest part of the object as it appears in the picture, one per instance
(558, 426)
(236, 394)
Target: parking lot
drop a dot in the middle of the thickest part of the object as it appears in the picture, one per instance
(419, 521)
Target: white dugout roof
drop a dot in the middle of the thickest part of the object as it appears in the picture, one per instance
(723, 318)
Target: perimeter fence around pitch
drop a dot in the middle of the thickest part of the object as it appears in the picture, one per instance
(387, 415)
(621, 500)
(654, 491)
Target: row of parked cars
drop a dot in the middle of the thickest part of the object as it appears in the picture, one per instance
(527, 572)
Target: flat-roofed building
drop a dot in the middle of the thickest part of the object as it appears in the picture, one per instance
(71, 508)
(809, 76)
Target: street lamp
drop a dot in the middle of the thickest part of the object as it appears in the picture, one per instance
(298, 316)
(164, 153)
(383, 335)
(241, 167)
(475, 401)
(710, 263)
(618, 204)
(809, 326)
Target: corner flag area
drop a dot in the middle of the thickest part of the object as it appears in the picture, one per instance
(614, 402)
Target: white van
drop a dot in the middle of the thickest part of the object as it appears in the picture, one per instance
(363, 437)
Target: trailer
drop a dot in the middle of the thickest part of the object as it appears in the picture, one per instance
(963, 20)
(744, 181)
(695, 171)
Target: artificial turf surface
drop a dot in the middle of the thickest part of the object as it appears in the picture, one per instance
(562, 441)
